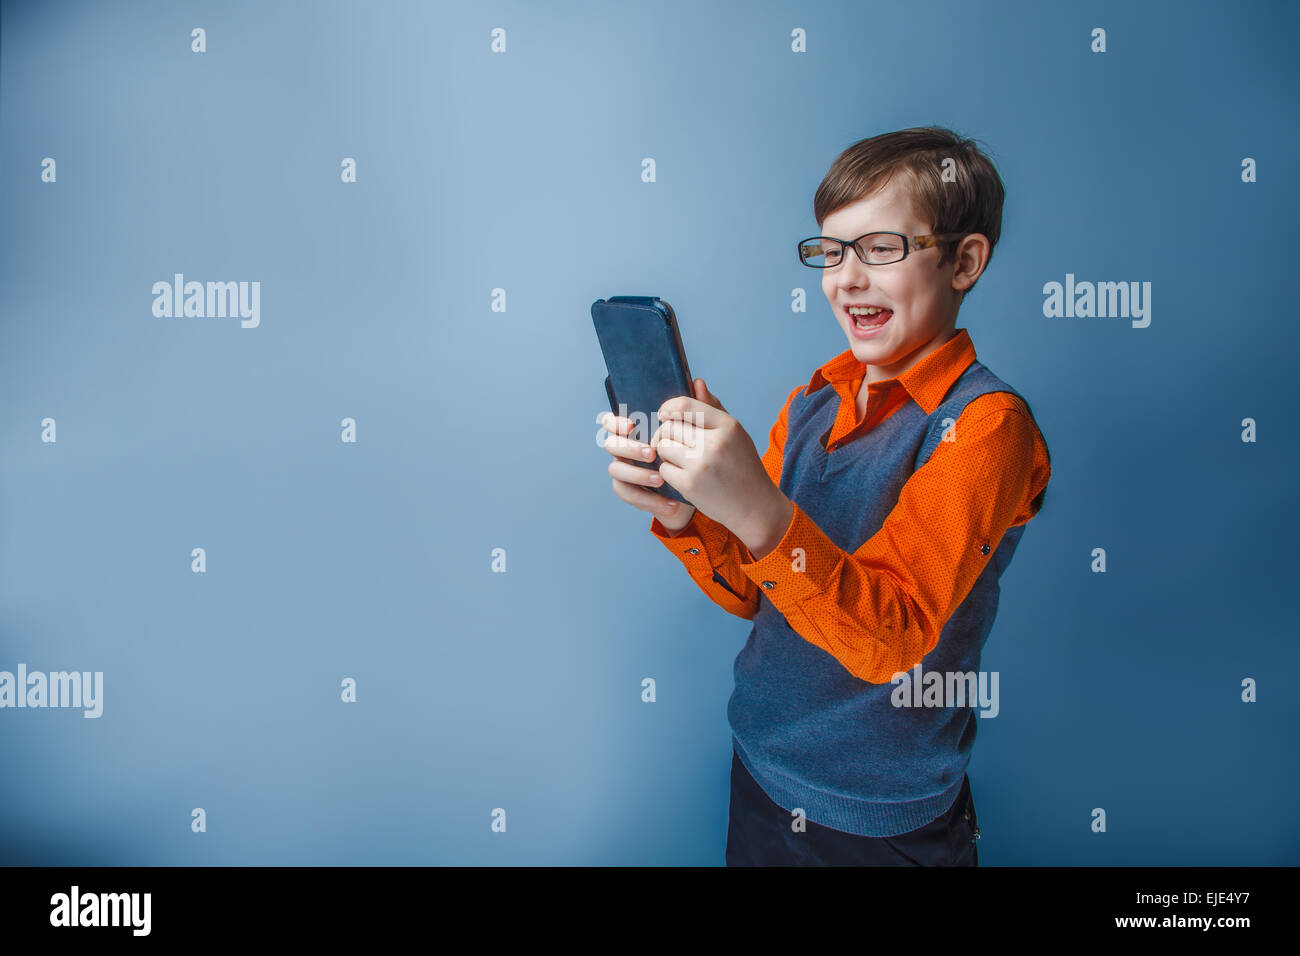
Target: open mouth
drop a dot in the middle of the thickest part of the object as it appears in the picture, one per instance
(868, 319)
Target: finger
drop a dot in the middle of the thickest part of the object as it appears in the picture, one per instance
(675, 454)
(702, 393)
(679, 431)
(627, 448)
(672, 474)
(645, 499)
(633, 475)
(693, 410)
(614, 424)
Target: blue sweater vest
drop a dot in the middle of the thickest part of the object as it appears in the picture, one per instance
(813, 735)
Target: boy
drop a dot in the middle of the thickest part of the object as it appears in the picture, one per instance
(869, 538)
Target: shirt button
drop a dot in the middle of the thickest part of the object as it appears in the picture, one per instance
(984, 549)
(769, 584)
(692, 550)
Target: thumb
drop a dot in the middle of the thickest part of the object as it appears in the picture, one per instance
(703, 394)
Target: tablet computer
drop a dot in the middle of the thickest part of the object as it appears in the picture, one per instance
(646, 363)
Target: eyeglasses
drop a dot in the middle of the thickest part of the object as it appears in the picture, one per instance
(875, 248)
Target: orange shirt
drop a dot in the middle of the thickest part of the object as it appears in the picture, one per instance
(880, 609)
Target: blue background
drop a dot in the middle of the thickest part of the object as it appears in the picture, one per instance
(476, 429)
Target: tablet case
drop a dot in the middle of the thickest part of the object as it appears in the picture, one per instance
(646, 364)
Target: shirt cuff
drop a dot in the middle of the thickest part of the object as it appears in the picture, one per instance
(802, 564)
(711, 538)
(688, 545)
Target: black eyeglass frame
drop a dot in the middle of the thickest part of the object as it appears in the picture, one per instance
(910, 244)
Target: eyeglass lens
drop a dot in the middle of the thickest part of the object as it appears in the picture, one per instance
(879, 248)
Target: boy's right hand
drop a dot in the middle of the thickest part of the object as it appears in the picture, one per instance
(631, 482)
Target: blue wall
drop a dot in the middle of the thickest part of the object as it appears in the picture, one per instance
(475, 428)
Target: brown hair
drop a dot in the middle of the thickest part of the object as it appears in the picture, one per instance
(971, 203)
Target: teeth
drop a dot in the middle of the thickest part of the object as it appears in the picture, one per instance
(869, 310)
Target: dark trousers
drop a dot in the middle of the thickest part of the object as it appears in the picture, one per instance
(759, 834)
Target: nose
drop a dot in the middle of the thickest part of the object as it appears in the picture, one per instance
(852, 273)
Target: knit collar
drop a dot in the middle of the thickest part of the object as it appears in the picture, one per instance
(927, 381)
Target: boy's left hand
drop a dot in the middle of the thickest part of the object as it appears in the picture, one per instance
(712, 461)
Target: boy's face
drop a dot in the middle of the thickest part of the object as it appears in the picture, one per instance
(922, 296)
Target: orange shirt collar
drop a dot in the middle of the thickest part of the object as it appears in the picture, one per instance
(927, 381)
